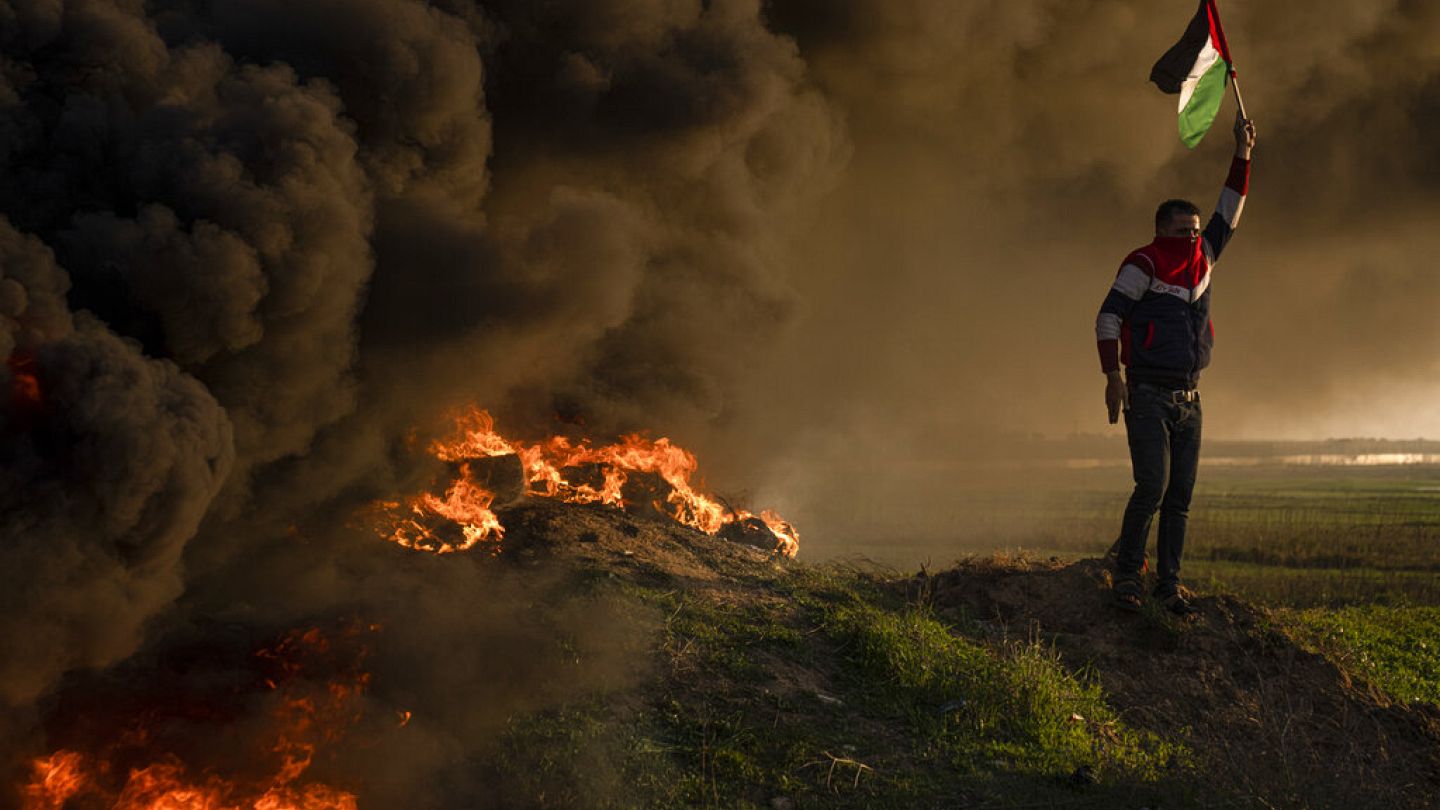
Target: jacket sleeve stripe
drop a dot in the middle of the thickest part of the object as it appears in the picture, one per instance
(1116, 303)
(1131, 282)
(1109, 355)
(1227, 211)
(1239, 177)
(1200, 288)
(1230, 205)
(1107, 326)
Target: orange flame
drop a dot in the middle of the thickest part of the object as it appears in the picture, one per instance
(303, 719)
(56, 778)
(787, 534)
(165, 786)
(465, 503)
(468, 503)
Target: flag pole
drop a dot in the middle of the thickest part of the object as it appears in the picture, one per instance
(1214, 12)
(1235, 85)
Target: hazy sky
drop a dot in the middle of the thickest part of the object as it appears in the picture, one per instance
(1006, 156)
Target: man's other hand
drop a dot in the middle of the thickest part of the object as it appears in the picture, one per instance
(1117, 396)
(1244, 136)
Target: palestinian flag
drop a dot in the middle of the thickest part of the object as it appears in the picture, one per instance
(1196, 67)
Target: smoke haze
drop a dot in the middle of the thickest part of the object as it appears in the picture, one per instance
(249, 248)
(1005, 158)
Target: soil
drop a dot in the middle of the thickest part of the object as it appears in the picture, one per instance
(1263, 715)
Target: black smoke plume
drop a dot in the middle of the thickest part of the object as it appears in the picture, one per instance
(250, 248)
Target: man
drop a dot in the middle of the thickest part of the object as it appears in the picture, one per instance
(1156, 321)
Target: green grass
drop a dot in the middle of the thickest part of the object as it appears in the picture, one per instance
(1285, 586)
(1011, 708)
(1281, 536)
(822, 686)
(1395, 648)
(1351, 555)
(557, 758)
(1383, 518)
(1353, 551)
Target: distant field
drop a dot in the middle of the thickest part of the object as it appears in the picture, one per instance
(1287, 536)
(1291, 536)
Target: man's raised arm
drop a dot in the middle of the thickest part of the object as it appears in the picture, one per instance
(1232, 196)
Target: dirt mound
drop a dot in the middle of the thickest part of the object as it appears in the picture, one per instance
(741, 643)
(1262, 715)
(604, 538)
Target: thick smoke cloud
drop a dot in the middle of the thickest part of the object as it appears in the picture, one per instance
(326, 223)
(101, 483)
(211, 210)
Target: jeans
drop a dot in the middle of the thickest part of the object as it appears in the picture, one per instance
(1164, 438)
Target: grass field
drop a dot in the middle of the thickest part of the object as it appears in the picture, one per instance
(1008, 681)
(1289, 536)
(1348, 558)
(1001, 682)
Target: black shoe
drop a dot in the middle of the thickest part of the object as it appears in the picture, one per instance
(1178, 605)
(1127, 592)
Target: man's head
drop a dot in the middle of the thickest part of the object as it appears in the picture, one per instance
(1177, 218)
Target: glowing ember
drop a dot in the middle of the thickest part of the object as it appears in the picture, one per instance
(305, 716)
(26, 401)
(24, 384)
(419, 522)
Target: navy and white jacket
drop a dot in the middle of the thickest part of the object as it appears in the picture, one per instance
(1156, 318)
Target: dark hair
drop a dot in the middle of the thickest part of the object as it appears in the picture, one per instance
(1170, 208)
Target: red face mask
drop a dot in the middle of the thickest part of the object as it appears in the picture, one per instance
(1177, 245)
(1176, 253)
